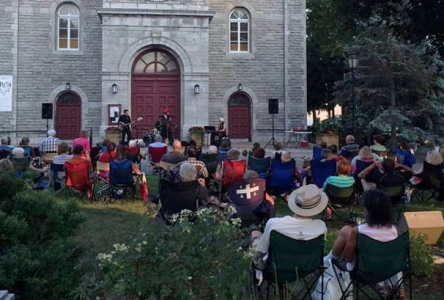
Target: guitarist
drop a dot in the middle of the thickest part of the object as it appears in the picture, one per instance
(124, 124)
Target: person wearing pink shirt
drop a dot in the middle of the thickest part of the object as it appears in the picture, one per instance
(84, 142)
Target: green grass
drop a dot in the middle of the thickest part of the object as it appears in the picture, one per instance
(108, 224)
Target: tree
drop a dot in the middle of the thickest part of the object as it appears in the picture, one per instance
(393, 82)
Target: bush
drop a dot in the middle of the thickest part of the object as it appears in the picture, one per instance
(421, 257)
(9, 186)
(199, 259)
(38, 253)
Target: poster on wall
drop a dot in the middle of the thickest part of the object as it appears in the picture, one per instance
(5, 93)
(113, 114)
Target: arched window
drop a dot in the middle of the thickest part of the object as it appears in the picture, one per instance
(156, 62)
(68, 25)
(239, 31)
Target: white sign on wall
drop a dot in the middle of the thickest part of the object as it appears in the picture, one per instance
(5, 93)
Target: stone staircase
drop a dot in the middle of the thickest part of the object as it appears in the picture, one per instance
(5, 296)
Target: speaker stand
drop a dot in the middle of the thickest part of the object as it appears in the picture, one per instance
(47, 127)
(273, 141)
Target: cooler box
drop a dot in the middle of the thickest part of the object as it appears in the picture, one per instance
(429, 223)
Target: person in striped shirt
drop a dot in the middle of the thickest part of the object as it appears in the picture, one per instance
(343, 180)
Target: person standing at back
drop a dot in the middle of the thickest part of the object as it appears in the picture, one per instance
(84, 142)
(124, 124)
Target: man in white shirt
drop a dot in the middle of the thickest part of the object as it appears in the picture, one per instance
(305, 203)
(51, 143)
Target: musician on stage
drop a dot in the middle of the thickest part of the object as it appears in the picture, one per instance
(164, 126)
(125, 126)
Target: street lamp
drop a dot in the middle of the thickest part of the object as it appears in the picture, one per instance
(196, 89)
(68, 86)
(239, 87)
(114, 88)
(353, 63)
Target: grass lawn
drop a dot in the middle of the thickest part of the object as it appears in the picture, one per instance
(114, 223)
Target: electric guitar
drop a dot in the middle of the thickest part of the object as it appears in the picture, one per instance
(122, 126)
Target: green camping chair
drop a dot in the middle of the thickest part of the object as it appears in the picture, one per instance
(397, 197)
(290, 260)
(260, 165)
(377, 262)
(342, 197)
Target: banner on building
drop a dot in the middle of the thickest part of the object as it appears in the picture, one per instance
(6, 93)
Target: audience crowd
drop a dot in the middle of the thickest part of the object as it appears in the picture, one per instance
(248, 180)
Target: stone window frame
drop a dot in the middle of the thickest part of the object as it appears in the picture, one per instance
(53, 22)
(239, 22)
(69, 19)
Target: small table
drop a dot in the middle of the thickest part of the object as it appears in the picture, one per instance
(298, 135)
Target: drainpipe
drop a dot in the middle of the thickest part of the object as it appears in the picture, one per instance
(287, 104)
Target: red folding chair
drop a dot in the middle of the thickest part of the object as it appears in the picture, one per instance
(77, 178)
(156, 153)
(233, 171)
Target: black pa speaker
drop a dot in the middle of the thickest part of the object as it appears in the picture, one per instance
(273, 106)
(47, 111)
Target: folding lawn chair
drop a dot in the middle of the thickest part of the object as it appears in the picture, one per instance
(317, 153)
(432, 181)
(349, 155)
(233, 171)
(260, 165)
(396, 194)
(248, 196)
(102, 180)
(282, 176)
(290, 260)
(377, 262)
(78, 179)
(342, 197)
(222, 152)
(360, 166)
(121, 179)
(321, 170)
(21, 164)
(57, 182)
(156, 154)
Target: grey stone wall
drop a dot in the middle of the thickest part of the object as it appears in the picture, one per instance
(262, 71)
(41, 69)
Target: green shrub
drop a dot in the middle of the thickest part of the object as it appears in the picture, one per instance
(202, 259)
(421, 257)
(38, 253)
(9, 186)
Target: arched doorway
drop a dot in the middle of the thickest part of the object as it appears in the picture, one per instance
(156, 86)
(239, 120)
(68, 116)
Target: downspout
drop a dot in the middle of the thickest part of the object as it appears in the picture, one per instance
(287, 121)
(15, 76)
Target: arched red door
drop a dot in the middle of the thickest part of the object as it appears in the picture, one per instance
(239, 121)
(156, 86)
(68, 116)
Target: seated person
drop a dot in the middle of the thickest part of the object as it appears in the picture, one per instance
(377, 147)
(259, 153)
(379, 215)
(110, 154)
(122, 163)
(277, 153)
(327, 155)
(24, 143)
(6, 165)
(385, 172)
(365, 155)
(404, 155)
(134, 151)
(18, 152)
(202, 171)
(255, 147)
(78, 159)
(193, 143)
(157, 149)
(62, 157)
(343, 180)
(50, 144)
(5, 146)
(121, 157)
(244, 155)
(334, 151)
(432, 167)
(175, 156)
(349, 147)
(305, 203)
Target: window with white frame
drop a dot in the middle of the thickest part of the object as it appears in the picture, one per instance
(239, 31)
(68, 27)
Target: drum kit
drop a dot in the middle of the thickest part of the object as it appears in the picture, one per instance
(148, 136)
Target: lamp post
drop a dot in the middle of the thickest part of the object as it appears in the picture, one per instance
(353, 63)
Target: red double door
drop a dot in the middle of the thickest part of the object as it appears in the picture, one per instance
(151, 95)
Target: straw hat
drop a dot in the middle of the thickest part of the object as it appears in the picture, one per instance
(307, 201)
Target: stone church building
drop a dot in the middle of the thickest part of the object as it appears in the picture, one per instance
(202, 59)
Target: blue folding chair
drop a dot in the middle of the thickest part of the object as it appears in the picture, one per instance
(222, 152)
(360, 166)
(282, 176)
(57, 183)
(260, 165)
(405, 157)
(317, 153)
(321, 170)
(120, 178)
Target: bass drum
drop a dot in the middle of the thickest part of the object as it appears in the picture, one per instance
(147, 140)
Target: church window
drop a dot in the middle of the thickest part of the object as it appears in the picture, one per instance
(68, 21)
(239, 31)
